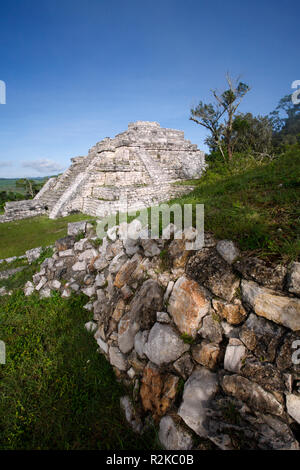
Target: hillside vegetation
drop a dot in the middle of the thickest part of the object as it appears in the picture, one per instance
(256, 204)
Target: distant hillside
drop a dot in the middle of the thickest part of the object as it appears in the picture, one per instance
(9, 184)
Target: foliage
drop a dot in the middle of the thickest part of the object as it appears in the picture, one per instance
(218, 117)
(30, 187)
(286, 123)
(56, 390)
(253, 203)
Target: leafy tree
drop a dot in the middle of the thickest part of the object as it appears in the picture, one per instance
(252, 134)
(286, 122)
(218, 117)
(31, 187)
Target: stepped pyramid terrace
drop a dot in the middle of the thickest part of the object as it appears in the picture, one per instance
(139, 165)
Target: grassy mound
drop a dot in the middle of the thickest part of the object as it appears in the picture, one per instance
(21, 235)
(56, 391)
(258, 206)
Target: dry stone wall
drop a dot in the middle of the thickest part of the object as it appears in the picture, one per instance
(207, 340)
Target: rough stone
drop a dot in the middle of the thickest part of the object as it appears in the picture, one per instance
(163, 317)
(77, 228)
(267, 304)
(255, 269)
(164, 345)
(65, 243)
(140, 341)
(146, 302)
(228, 251)
(188, 304)
(234, 355)
(211, 329)
(158, 391)
(34, 254)
(28, 288)
(252, 394)
(206, 354)
(294, 278)
(173, 436)
(261, 336)
(208, 268)
(184, 366)
(233, 313)
(293, 406)
(199, 390)
(263, 373)
(124, 274)
(117, 359)
(127, 330)
(130, 414)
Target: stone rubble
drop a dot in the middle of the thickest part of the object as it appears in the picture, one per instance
(205, 351)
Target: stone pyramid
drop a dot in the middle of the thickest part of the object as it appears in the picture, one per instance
(140, 165)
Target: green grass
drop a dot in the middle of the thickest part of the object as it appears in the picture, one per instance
(21, 235)
(258, 206)
(56, 391)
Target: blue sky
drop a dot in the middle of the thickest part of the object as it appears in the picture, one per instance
(77, 71)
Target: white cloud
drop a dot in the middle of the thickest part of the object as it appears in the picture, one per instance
(44, 165)
(5, 164)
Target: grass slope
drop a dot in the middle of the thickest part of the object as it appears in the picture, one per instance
(257, 206)
(56, 391)
(21, 235)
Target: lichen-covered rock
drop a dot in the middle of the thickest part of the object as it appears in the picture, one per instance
(146, 302)
(288, 357)
(173, 436)
(252, 394)
(211, 329)
(33, 254)
(65, 243)
(265, 374)
(294, 278)
(208, 268)
(266, 303)
(206, 354)
(164, 345)
(184, 366)
(255, 269)
(188, 304)
(158, 391)
(228, 250)
(262, 337)
(199, 390)
(77, 228)
(124, 274)
(234, 313)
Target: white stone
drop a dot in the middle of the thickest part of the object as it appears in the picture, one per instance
(33, 254)
(163, 317)
(293, 406)
(140, 341)
(235, 352)
(117, 359)
(102, 345)
(228, 251)
(89, 291)
(75, 228)
(45, 293)
(117, 262)
(42, 282)
(66, 253)
(294, 278)
(112, 233)
(132, 419)
(131, 373)
(100, 280)
(55, 284)
(199, 390)
(164, 345)
(87, 254)
(266, 303)
(173, 436)
(28, 288)
(79, 266)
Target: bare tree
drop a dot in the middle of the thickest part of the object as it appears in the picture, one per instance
(218, 118)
